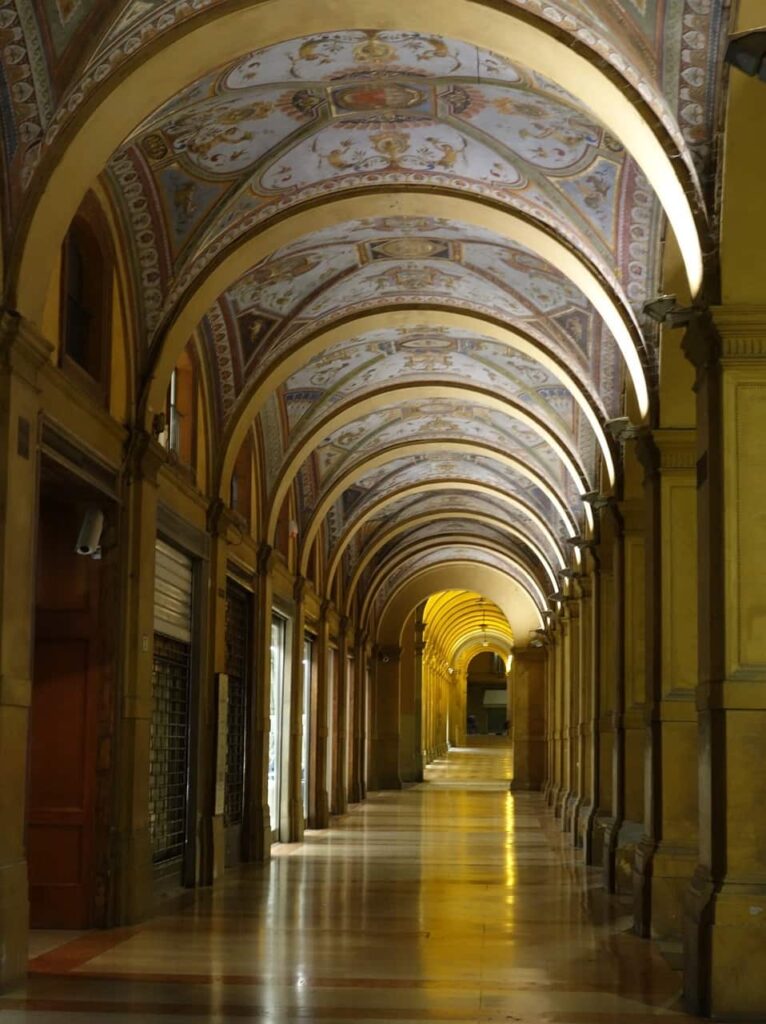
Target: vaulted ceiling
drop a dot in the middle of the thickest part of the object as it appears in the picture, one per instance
(412, 243)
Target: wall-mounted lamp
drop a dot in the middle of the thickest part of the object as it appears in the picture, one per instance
(665, 309)
(596, 500)
(622, 429)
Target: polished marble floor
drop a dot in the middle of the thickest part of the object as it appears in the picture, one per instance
(450, 901)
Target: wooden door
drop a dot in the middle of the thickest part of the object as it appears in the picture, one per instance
(64, 725)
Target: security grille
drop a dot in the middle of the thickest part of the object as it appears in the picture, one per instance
(169, 748)
(237, 656)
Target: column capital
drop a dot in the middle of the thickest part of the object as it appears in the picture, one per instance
(221, 519)
(299, 589)
(144, 457)
(325, 608)
(264, 559)
(741, 332)
(633, 515)
(677, 447)
(23, 349)
(701, 342)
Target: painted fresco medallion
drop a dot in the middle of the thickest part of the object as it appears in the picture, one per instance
(410, 248)
(381, 98)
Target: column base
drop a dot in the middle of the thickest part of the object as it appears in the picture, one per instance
(586, 823)
(295, 817)
(725, 950)
(554, 798)
(560, 807)
(569, 807)
(610, 828)
(14, 923)
(133, 888)
(389, 781)
(576, 811)
(258, 842)
(321, 818)
(628, 839)
(661, 876)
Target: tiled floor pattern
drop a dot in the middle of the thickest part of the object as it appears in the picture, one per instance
(450, 901)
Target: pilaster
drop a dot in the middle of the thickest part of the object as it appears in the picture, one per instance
(528, 718)
(356, 786)
(132, 843)
(387, 684)
(591, 651)
(23, 353)
(571, 796)
(667, 854)
(725, 906)
(339, 796)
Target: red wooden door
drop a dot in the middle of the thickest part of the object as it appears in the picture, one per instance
(64, 726)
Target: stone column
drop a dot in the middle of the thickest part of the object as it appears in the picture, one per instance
(591, 646)
(138, 533)
(295, 809)
(528, 718)
(631, 830)
(257, 824)
(386, 751)
(612, 664)
(356, 773)
(22, 354)
(549, 670)
(556, 716)
(339, 796)
(584, 676)
(571, 797)
(667, 854)
(725, 907)
(211, 759)
(319, 804)
(564, 711)
(409, 680)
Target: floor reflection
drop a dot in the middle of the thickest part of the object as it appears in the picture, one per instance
(454, 900)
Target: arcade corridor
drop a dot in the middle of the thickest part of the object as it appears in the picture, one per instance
(452, 900)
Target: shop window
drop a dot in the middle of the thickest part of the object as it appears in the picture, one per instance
(86, 276)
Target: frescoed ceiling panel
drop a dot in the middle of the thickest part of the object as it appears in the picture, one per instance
(444, 555)
(59, 53)
(303, 288)
(323, 114)
(265, 140)
(419, 470)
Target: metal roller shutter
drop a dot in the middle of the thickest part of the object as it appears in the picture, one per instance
(172, 593)
(169, 738)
